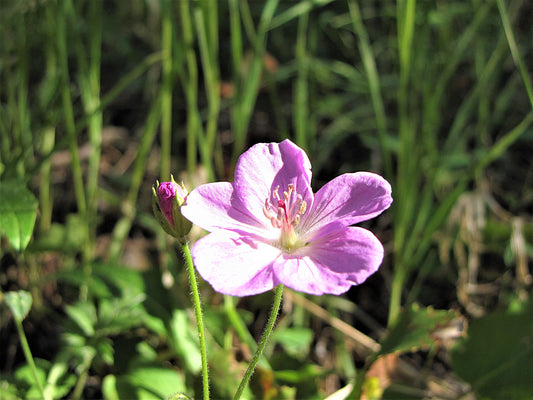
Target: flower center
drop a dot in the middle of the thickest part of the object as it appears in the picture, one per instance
(284, 214)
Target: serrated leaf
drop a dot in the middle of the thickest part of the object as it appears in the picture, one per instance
(18, 210)
(414, 329)
(19, 303)
(495, 358)
(120, 315)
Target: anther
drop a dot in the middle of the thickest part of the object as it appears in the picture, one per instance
(296, 220)
(303, 207)
(275, 193)
(285, 212)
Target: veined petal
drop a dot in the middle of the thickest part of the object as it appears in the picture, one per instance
(214, 206)
(266, 166)
(332, 264)
(346, 200)
(303, 274)
(235, 264)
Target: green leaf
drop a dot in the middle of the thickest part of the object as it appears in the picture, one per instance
(110, 388)
(295, 341)
(19, 303)
(84, 315)
(66, 237)
(160, 381)
(144, 382)
(127, 280)
(25, 375)
(10, 388)
(18, 210)
(495, 358)
(306, 373)
(77, 277)
(414, 329)
(59, 381)
(179, 396)
(120, 315)
(225, 373)
(185, 340)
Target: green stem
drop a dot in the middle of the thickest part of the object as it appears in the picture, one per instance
(249, 87)
(65, 13)
(515, 53)
(166, 90)
(27, 354)
(301, 88)
(70, 125)
(82, 379)
(407, 162)
(189, 79)
(374, 85)
(262, 344)
(208, 58)
(123, 226)
(199, 318)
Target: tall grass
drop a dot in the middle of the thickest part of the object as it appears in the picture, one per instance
(427, 146)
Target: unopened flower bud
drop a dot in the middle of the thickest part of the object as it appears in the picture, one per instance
(167, 199)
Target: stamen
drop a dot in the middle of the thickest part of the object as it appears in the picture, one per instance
(266, 209)
(285, 214)
(281, 211)
(296, 220)
(303, 207)
(275, 193)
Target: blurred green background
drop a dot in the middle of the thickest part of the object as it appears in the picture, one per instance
(99, 98)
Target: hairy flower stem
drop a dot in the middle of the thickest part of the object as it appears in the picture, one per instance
(199, 319)
(262, 344)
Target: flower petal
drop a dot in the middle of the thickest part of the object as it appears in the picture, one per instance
(214, 206)
(235, 264)
(303, 274)
(346, 200)
(332, 264)
(266, 166)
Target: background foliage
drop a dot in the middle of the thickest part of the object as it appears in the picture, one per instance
(98, 99)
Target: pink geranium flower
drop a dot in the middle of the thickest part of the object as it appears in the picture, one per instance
(267, 227)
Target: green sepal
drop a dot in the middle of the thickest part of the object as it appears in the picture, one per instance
(182, 226)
